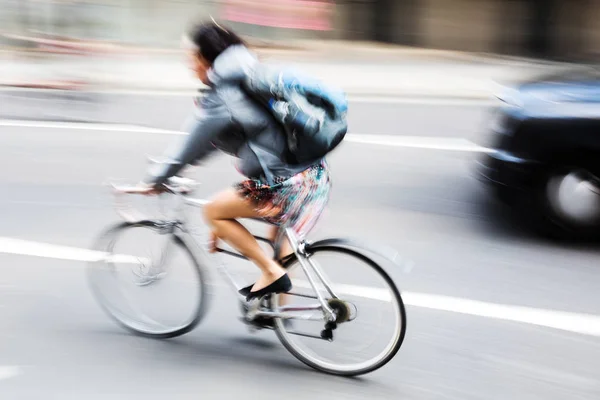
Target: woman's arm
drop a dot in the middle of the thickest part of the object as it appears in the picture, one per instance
(211, 119)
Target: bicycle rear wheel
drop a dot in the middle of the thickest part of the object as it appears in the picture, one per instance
(148, 281)
(370, 313)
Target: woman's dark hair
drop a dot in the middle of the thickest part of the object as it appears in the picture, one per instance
(212, 39)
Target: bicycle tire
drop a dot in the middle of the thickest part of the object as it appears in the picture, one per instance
(113, 232)
(283, 336)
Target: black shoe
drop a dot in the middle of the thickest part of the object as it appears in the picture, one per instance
(281, 285)
(286, 259)
(269, 323)
(246, 290)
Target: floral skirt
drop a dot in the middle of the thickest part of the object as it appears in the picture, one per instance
(296, 202)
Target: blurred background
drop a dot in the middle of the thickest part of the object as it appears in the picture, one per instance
(65, 35)
(471, 122)
(550, 28)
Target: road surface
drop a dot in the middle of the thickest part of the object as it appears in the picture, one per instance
(493, 312)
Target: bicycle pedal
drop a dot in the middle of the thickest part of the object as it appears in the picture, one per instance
(258, 324)
(327, 334)
(257, 304)
(245, 321)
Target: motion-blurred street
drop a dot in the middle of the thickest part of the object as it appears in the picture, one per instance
(465, 256)
(90, 88)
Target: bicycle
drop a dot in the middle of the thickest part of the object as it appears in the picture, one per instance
(333, 308)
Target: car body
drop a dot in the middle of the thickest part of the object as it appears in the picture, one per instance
(544, 151)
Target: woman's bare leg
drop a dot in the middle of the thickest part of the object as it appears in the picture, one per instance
(285, 249)
(221, 214)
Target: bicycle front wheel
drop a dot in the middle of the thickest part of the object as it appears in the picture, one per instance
(148, 280)
(370, 313)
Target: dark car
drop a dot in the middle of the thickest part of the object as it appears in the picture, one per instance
(544, 152)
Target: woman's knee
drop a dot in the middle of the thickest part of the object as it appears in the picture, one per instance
(222, 206)
(211, 211)
(228, 205)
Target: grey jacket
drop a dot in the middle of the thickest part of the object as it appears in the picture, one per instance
(227, 119)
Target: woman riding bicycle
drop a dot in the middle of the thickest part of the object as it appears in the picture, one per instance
(227, 119)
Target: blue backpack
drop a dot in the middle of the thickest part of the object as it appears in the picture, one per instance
(313, 115)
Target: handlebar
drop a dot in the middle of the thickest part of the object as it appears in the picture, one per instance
(180, 186)
(174, 185)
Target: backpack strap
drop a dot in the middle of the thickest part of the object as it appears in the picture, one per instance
(257, 150)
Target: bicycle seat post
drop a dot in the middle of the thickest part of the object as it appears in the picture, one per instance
(296, 244)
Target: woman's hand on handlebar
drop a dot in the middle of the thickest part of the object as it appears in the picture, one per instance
(149, 189)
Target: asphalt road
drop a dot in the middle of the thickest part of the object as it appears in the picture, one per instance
(55, 343)
(394, 116)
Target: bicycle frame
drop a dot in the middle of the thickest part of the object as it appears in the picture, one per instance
(298, 246)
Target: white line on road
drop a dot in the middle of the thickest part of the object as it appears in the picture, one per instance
(572, 322)
(46, 250)
(415, 142)
(578, 323)
(8, 371)
(353, 290)
(419, 142)
(85, 127)
(431, 101)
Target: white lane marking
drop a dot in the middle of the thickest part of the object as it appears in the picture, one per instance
(86, 127)
(432, 101)
(419, 142)
(572, 322)
(416, 142)
(46, 250)
(352, 290)
(9, 371)
(586, 324)
(578, 323)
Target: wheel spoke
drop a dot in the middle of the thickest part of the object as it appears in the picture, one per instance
(140, 295)
(370, 316)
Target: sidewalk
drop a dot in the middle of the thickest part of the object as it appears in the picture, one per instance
(361, 69)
